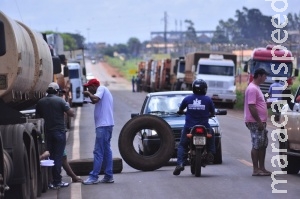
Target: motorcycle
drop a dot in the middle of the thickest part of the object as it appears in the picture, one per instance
(198, 156)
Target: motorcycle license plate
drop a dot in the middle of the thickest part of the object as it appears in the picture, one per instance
(199, 140)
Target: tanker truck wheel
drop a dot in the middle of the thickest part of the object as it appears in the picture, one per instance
(21, 191)
(130, 138)
(33, 162)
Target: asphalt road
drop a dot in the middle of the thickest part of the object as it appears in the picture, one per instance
(232, 179)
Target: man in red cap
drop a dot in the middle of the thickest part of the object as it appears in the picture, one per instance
(104, 122)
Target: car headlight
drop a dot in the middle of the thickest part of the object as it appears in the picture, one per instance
(216, 130)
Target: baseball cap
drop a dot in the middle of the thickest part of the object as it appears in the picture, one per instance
(260, 71)
(53, 85)
(92, 82)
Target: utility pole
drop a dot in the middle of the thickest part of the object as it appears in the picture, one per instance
(165, 31)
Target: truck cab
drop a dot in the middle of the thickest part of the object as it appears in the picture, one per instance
(277, 62)
(76, 84)
(219, 74)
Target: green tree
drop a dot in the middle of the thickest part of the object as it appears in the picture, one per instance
(134, 46)
(69, 42)
(191, 39)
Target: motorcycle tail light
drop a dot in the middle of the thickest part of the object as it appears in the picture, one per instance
(199, 130)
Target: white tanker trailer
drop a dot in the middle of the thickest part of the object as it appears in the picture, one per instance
(26, 69)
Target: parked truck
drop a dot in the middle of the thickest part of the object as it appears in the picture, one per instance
(218, 69)
(177, 77)
(271, 59)
(26, 69)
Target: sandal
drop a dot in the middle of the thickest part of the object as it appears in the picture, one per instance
(261, 173)
(77, 179)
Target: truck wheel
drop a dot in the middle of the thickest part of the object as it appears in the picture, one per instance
(21, 191)
(218, 155)
(83, 167)
(32, 153)
(33, 170)
(45, 178)
(130, 153)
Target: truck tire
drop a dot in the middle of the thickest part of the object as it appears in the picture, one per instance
(141, 162)
(45, 178)
(33, 171)
(21, 191)
(83, 167)
(33, 162)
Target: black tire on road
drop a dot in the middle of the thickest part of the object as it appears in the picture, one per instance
(21, 190)
(192, 166)
(130, 154)
(45, 178)
(218, 155)
(293, 165)
(83, 167)
(32, 151)
(198, 163)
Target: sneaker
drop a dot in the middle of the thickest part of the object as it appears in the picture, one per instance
(178, 169)
(90, 181)
(52, 186)
(63, 184)
(105, 180)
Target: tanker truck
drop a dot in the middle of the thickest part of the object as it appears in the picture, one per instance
(26, 69)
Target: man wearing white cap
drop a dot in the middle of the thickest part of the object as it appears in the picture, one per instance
(52, 108)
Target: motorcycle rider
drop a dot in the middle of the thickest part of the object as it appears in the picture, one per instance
(199, 108)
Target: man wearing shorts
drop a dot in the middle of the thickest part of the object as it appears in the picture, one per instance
(255, 114)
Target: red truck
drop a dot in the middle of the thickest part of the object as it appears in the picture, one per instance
(277, 62)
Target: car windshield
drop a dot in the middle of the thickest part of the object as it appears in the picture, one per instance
(164, 104)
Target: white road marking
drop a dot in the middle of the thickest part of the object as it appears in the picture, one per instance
(76, 187)
(76, 191)
(76, 142)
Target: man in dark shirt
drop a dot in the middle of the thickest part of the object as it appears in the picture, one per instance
(52, 108)
(199, 108)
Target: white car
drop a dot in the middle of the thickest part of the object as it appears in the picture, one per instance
(89, 76)
(290, 137)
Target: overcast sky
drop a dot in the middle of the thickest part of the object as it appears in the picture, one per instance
(115, 21)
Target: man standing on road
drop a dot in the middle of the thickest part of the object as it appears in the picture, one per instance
(104, 122)
(255, 114)
(273, 93)
(52, 109)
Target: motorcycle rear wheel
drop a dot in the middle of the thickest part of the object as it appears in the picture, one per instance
(198, 162)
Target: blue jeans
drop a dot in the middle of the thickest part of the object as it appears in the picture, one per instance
(103, 153)
(56, 143)
(184, 143)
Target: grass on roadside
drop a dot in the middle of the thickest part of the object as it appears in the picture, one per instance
(127, 68)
